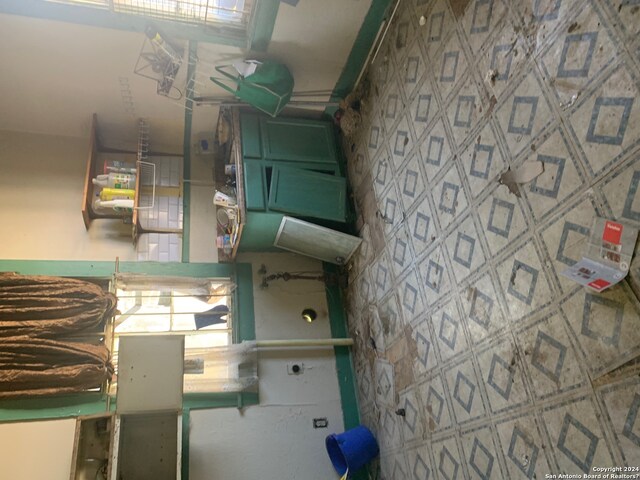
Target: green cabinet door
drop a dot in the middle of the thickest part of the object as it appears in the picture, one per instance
(308, 194)
(309, 144)
(298, 140)
(251, 138)
(255, 185)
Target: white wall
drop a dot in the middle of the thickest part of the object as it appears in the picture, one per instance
(41, 187)
(276, 439)
(36, 450)
(57, 74)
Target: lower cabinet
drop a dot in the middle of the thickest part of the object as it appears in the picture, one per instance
(291, 167)
(142, 440)
(147, 447)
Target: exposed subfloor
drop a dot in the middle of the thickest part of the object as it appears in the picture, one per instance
(461, 315)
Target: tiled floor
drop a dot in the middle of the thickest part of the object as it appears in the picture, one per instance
(460, 314)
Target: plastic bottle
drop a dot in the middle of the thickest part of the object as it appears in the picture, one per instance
(120, 206)
(117, 194)
(129, 170)
(119, 166)
(116, 180)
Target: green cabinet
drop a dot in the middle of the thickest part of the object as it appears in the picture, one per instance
(291, 167)
(255, 185)
(305, 193)
(309, 144)
(298, 140)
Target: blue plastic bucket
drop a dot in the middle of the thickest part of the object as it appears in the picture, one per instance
(352, 449)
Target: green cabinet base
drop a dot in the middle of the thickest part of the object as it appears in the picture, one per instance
(259, 232)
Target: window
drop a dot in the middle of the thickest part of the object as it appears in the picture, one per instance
(102, 272)
(199, 12)
(247, 24)
(201, 309)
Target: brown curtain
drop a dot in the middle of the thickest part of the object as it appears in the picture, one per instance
(37, 316)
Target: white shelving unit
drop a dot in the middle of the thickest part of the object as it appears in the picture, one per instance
(144, 436)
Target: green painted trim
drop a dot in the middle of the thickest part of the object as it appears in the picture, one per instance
(186, 146)
(186, 426)
(244, 283)
(344, 364)
(359, 52)
(262, 25)
(79, 268)
(103, 18)
(52, 407)
(203, 401)
(346, 377)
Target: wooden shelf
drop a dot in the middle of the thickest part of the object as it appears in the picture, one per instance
(88, 213)
(234, 158)
(91, 161)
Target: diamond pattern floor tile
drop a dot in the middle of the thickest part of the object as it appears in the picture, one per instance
(456, 299)
(550, 360)
(524, 114)
(622, 404)
(521, 441)
(606, 124)
(482, 454)
(502, 372)
(449, 332)
(524, 282)
(577, 437)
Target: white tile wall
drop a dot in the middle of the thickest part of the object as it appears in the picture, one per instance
(167, 212)
(159, 247)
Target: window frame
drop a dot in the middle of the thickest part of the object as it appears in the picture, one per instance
(256, 36)
(129, 285)
(91, 403)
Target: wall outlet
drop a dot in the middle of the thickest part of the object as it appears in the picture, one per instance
(320, 423)
(295, 368)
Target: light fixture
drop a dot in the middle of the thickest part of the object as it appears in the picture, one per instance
(309, 315)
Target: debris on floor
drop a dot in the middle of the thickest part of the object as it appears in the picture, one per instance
(525, 173)
(460, 283)
(491, 76)
(607, 257)
(349, 113)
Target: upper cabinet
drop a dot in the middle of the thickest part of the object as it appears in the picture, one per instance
(309, 144)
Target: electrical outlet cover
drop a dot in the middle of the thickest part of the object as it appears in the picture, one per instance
(320, 423)
(295, 368)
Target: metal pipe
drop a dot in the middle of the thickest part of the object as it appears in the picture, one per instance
(322, 342)
(174, 332)
(393, 14)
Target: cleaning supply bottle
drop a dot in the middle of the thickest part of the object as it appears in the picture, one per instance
(120, 205)
(117, 194)
(129, 170)
(116, 180)
(119, 166)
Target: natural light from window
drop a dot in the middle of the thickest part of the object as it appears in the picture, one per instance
(202, 313)
(203, 12)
